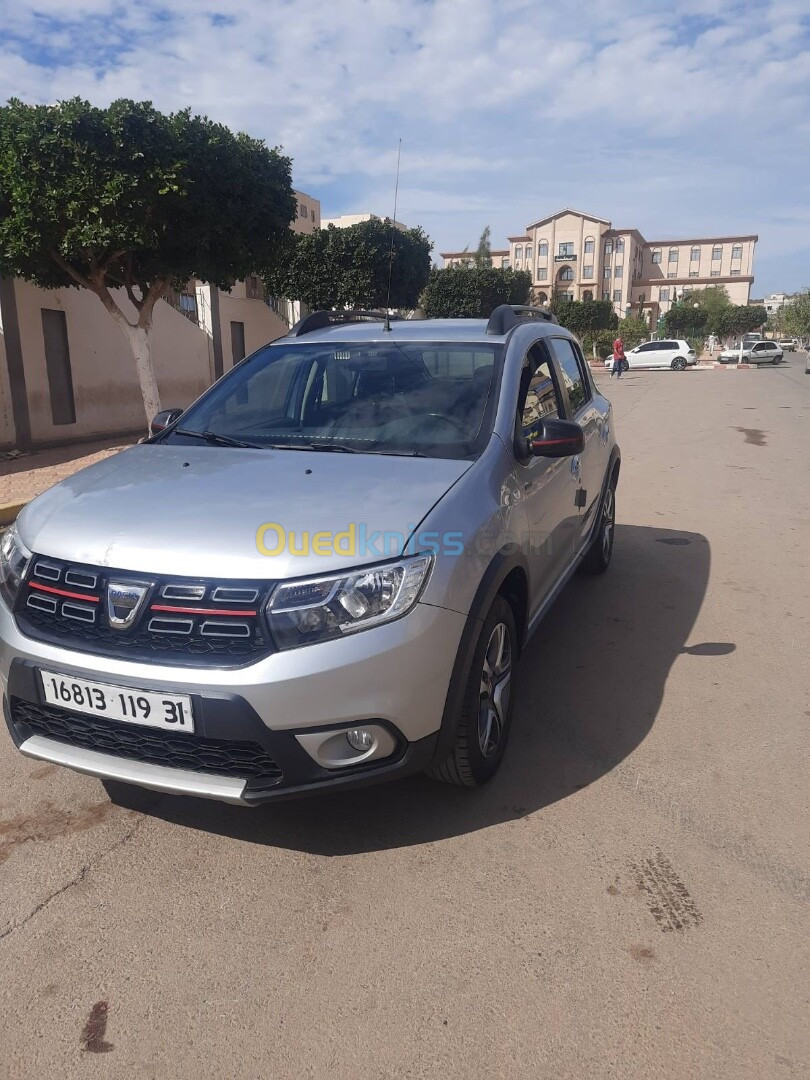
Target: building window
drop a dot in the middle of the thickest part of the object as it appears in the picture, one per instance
(57, 366)
(608, 247)
(618, 270)
(587, 295)
(542, 298)
(617, 296)
(715, 273)
(528, 253)
(312, 212)
(302, 210)
(566, 274)
(735, 273)
(672, 275)
(253, 288)
(663, 294)
(605, 294)
(542, 249)
(587, 271)
(619, 244)
(542, 273)
(656, 256)
(505, 262)
(606, 272)
(694, 254)
(589, 245)
(717, 253)
(736, 251)
(518, 252)
(673, 255)
(694, 273)
(566, 250)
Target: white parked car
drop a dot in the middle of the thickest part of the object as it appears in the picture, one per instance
(760, 352)
(667, 353)
(788, 344)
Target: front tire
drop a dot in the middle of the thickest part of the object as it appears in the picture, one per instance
(486, 707)
(599, 554)
(679, 364)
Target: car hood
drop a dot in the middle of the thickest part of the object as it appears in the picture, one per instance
(196, 511)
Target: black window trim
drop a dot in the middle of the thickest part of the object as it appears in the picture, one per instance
(584, 370)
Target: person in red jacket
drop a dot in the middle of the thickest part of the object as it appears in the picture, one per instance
(619, 359)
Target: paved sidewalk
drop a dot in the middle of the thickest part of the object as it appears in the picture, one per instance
(22, 478)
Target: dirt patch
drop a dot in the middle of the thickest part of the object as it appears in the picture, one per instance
(753, 435)
(49, 822)
(92, 1038)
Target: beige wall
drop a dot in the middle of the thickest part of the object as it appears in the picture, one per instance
(261, 324)
(105, 383)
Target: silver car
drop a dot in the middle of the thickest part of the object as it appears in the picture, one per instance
(320, 574)
(757, 352)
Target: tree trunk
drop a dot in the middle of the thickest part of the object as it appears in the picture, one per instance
(139, 340)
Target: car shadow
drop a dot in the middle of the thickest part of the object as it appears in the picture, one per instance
(588, 689)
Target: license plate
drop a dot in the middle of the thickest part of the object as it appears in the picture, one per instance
(172, 712)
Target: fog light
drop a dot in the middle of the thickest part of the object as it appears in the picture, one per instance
(360, 739)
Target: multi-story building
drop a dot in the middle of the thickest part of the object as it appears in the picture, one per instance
(580, 256)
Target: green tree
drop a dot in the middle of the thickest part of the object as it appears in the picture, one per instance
(633, 330)
(461, 292)
(794, 316)
(686, 319)
(584, 317)
(483, 253)
(125, 196)
(741, 319)
(350, 267)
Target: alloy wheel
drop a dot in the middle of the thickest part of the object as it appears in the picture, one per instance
(496, 678)
(608, 521)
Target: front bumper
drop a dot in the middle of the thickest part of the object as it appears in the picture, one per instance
(396, 676)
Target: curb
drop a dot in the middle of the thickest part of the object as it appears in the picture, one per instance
(9, 512)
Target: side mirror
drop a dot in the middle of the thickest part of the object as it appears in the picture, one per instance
(557, 438)
(162, 420)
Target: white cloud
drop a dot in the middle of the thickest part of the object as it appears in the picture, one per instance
(678, 117)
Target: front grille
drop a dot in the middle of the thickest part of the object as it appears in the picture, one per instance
(185, 621)
(246, 760)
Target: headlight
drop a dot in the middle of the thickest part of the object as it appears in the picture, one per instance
(14, 556)
(321, 608)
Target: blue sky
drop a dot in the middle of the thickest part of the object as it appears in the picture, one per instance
(681, 118)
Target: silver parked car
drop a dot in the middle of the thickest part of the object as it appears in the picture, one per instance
(320, 574)
(757, 352)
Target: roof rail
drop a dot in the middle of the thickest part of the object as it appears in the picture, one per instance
(319, 320)
(507, 316)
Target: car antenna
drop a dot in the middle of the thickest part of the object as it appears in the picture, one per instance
(387, 326)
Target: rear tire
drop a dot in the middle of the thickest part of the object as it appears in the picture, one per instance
(599, 554)
(486, 708)
(679, 364)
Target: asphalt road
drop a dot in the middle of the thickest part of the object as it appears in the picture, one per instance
(627, 899)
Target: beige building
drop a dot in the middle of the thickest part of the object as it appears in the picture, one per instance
(66, 370)
(345, 221)
(583, 257)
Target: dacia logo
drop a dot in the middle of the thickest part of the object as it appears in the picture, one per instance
(124, 602)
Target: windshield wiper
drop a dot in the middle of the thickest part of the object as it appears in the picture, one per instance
(216, 439)
(329, 448)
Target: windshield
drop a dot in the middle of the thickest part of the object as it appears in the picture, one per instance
(430, 398)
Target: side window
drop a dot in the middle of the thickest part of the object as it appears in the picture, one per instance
(575, 381)
(538, 394)
(647, 347)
